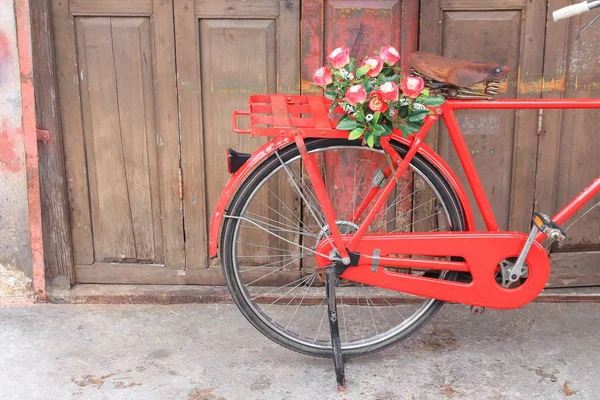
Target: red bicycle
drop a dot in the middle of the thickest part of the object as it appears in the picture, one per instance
(391, 239)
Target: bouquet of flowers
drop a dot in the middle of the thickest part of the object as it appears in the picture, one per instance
(370, 96)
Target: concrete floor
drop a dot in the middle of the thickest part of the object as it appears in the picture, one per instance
(210, 352)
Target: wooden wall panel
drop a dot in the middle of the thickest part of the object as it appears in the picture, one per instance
(503, 144)
(221, 61)
(362, 26)
(117, 103)
(568, 151)
(58, 252)
(238, 59)
(119, 108)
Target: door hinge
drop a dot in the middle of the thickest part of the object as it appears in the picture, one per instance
(180, 184)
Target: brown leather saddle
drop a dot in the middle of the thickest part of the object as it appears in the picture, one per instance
(459, 73)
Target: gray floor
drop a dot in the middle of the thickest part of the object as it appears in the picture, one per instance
(210, 352)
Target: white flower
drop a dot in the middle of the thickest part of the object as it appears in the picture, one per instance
(403, 102)
(350, 75)
(369, 117)
(419, 106)
(348, 108)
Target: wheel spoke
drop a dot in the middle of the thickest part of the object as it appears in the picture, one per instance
(276, 222)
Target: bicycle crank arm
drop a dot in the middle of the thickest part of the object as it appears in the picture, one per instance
(541, 223)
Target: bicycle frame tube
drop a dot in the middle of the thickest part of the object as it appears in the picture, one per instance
(447, 113)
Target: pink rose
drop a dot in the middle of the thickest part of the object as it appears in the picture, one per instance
(412, 86)
(389, 91)
(376, 65)
(339, 57)
(376, 102)
(390, 55)
(355, 94)
(322, 76)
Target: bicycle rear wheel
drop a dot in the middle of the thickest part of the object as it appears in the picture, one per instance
(274, 223)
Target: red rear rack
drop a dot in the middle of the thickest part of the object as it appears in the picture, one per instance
(280, 115)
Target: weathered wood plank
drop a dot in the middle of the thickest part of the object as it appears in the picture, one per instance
(227, 89)
(192, 143)
(70, 112)
(574, 269)
(555, 66)
(165, 84)
(58, 254)
(154, 274)
(503, 143)
(131, 39)
(311, 43)
(239, 8)
(111, 7)
(525, 149)
(111, 209)
(288, 46)
(478, 5)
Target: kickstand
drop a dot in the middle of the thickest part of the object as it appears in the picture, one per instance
(338, 361)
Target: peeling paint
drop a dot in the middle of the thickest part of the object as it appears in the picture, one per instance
(16, 273)
(9, 158)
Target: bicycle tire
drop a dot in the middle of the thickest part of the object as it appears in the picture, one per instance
(241, 199)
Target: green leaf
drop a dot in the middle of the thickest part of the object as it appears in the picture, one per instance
(376, 117)
(371, 141)
(388, 130)
(351, 65)
(418, 116)
(347, 124)
(424, 93)
(333, 106)
(403, 111)
(410, 127)
(393, 78)
(356, 133)
(330, 94)
(378, 130)
(362, 71)
(433, 101)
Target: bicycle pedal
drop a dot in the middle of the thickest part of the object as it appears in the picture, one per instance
(548, 227)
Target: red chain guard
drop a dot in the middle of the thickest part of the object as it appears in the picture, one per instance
(482, 252)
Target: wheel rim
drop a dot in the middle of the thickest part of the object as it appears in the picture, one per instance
(296, 308)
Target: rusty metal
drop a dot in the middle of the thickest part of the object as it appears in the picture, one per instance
(43, 135)
(455, 72)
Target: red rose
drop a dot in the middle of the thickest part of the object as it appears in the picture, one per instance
(389, 91)
(322, 76)
(339, 57)
(390, 55)
(355, 94)
(376, 65)
(376, 102)
(412, 86)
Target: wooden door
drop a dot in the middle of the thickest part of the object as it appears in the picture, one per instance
(118, 97)
(503, 143)
(361, 25)
(226, 51)
(569, 146)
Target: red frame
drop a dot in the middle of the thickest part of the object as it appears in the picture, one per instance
(481, 251)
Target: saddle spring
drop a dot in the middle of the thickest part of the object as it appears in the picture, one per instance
(436, 88)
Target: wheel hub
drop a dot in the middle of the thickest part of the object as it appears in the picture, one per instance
(325, 243)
